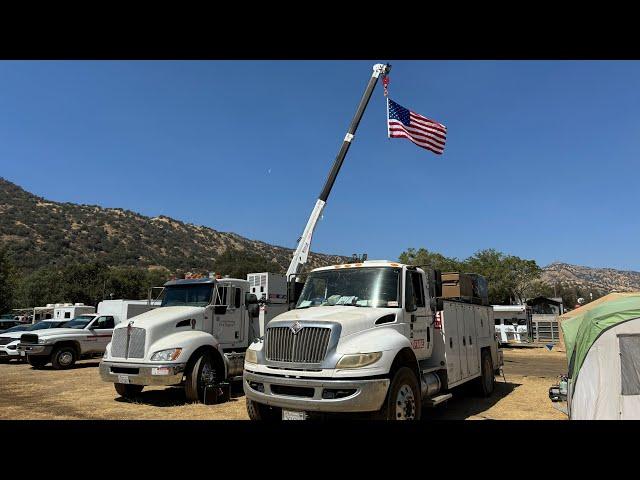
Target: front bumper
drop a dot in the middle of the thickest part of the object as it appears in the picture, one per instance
(8, 353)
(34, 349)
(141, 374)
(368, 396)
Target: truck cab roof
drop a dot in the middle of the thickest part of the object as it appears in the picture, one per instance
(202, 281)
(366, 263)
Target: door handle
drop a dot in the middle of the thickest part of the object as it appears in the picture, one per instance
(450, 342)
(470, 341)
(464, 341)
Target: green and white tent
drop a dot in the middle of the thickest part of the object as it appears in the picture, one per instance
(603, 353)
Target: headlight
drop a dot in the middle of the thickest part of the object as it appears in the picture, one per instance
(358, 360)
(42, 340)
(166, 355)
(251, 356)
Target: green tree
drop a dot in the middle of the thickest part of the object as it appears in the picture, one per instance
(429, 259)
(237, 263)
(7, 282)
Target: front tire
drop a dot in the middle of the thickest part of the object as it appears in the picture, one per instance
(63, 357)
(258, 411)
(128, 391)
(37, 362)
(201, 373)
(403, 400)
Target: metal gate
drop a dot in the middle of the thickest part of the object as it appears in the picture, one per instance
(544, 328)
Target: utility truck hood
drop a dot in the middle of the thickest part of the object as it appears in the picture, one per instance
(352, 319)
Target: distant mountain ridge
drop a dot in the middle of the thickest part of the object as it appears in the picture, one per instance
(603, 279)
(40, 232)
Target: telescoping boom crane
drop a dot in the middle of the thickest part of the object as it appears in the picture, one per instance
(304, 244)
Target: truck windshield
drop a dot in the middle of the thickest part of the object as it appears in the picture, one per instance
(79, 323)
(187, 295)
(361, 287)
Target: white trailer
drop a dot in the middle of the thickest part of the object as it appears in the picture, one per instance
(512, 323)
(125, 309)
(67, 311)
(369, 337)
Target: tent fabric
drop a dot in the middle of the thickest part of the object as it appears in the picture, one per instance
(583, 329)
(599, 393)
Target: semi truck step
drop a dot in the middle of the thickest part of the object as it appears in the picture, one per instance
(437, 400)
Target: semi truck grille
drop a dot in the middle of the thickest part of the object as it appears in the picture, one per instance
(135, 343)
(309, 345)
(29, 338)
(5, 340)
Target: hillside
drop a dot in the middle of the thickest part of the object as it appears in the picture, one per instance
(602, 279)
(39, 232)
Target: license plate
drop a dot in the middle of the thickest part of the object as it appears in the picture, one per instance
(291, 415)
(123, 378)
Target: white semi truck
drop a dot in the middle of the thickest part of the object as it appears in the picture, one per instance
(196, 338)
(369, 337)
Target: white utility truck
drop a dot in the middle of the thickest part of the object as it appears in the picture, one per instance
(369, 337)
(84, 335)
(196, 338)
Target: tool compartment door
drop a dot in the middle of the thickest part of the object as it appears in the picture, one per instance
(472, 319)
(462, 317)
(451, 341)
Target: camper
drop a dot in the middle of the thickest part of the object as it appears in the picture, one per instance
(603, 356)
(67, 311)
(512, 323)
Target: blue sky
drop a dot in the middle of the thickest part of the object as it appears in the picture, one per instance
(541, 158)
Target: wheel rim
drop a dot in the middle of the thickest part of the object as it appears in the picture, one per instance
(405, 404)
(207, 374)
(65, 358)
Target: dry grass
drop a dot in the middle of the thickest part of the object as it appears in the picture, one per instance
(79, 393)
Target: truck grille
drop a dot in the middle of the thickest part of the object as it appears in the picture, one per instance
(309, 345)
(136, 343)
(5, 340)
(29, 338)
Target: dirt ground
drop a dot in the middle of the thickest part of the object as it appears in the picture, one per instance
(79, 393)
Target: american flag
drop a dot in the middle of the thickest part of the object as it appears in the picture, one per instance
(425, 133)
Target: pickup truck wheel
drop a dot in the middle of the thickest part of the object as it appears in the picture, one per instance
(199, 375)
(259, 411)
(63, 357)
(128, 391)
(37, 362)
(403, 400)
(486, 382)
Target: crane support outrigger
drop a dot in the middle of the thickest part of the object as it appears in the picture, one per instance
(304, 244)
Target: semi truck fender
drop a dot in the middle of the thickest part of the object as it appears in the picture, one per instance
(378, 339)
(190, 341)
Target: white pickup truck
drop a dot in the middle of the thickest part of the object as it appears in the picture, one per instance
(82, 336)
(369, 337)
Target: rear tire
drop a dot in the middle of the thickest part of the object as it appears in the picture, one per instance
(259, 411)
(486, 381)
(37, 362)
(63, 357)
(128, 391)
(404, 401)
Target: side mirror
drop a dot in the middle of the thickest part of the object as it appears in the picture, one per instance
(254, 310)
(220, 309)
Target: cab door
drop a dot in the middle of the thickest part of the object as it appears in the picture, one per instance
(418, 314)
(228, 314)
(101, 332)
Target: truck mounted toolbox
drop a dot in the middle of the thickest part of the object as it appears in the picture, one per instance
(455, 285)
